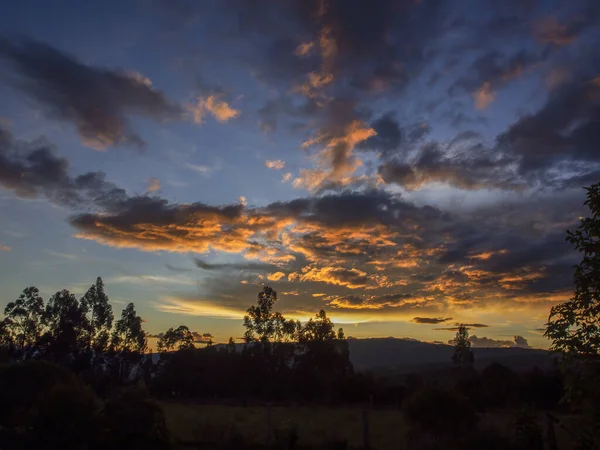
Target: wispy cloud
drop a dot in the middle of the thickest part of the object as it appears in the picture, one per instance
(155, 279)
(153, 185)
(276, 164)
(219, 109)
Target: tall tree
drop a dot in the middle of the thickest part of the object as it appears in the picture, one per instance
(101, 317)
(128, 334)
(259, 320)
(463, 355)
(319, 329)
(23, 322)
(574, 326)
(66, 338)
(180, 338)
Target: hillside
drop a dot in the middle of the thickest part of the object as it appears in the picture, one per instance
(405, 355)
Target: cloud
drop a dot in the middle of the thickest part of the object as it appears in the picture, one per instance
(563, 132)
(351, 278)
(153, 185)
(31, 169)
(367, 250)
(518, 341)
(250, 266)
(276, 164)
(4, 248)
(484, 96)
(431, 320)
(336, 162)
(275, 276)
(472, 167)
(98, 101)
(199, 338)
(219, 109)
(492, 71)
(178, 269)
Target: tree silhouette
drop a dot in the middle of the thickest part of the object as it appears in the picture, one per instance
(340, 334)
(463, 356)
(319, 329)
(23, 325)
(96, 303)
(574, 326)
(128, 335)
(67, 330)
(260, 321)
(231, 346)
(180, 338)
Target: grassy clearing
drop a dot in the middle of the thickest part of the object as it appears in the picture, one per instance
(314, 425)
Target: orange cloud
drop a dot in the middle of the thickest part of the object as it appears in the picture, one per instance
(304, 49)
(276, 164)
(556, 77)
(549, 30)
(336, 161)
(220, 110)
(484, 96)
(4, 248)
(275, 276)
(153, 185)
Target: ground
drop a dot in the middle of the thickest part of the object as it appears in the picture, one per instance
(314, 425)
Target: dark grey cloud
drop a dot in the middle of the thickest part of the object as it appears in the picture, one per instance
(431, 320)
(496, 69)
(518, 341)
(31, 169)
(473, 168)
(98, 101)
(178, 269)
(563, 132)
(247, 266)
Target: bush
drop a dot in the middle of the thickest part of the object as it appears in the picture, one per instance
(133, 421)
(439, 419)
(45, 406)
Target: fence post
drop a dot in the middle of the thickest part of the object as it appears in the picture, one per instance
(269, 434)
(365, 421)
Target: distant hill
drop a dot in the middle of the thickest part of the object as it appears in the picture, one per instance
(395, 355)
(408, 355)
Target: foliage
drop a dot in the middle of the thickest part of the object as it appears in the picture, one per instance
(45, 404)
(319, 329)
(463, 356)
(264, 325)
(441, 412)
(134, 422)
(128, 334)
(96, 303)
(22, 325)
(67, 330)
(528, 434)
(180, 338)
(574, 326)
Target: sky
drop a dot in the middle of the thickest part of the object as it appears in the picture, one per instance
(405, 165)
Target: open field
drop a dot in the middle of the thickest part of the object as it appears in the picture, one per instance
(314, 425)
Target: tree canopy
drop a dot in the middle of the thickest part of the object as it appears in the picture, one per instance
(574, 326)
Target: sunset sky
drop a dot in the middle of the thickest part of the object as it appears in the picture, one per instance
(406, 165)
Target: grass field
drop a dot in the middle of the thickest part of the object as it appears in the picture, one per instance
(314, 425)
